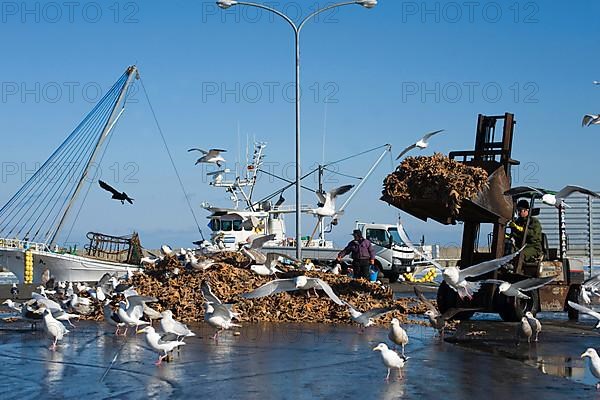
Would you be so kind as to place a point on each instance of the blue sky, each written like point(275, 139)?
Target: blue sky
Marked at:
point(385, 75)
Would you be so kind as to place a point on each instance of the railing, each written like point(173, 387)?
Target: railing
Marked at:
point(22, 245)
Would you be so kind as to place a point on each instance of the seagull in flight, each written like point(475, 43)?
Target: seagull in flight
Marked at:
point(121, 196)
point(590, 286)
point(456, 277)
point(587, 311)
point(288, 285)
point(253, 248)
point(517, 289)
point(549, 198)
point(421, 143)
point(365, 319)
point(591, 119)
point(212, 156)
point(327, 201)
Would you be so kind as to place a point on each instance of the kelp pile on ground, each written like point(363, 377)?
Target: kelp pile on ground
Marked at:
point(178, 289)
point(435, 178)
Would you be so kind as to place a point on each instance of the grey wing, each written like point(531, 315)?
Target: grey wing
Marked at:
point(215, 152)
point(200, 150)
point(486, 266)
point(406, 150)
point(167, 337)
point(328, 291)
point(407, 242)
point(221, 310)
point(338, 191)
point(532, 283)
point(103, 282)
point(275, 286)
point(135, 301)
point(375, 312)
point(586, 119)
point(453, 311)
point(592, 283)
point(584, 310)
point(430, 134)
point(422, 298)
point(208, 294)
point(519, 190)
point(494, 281)
point(570, 189)
point(321, 197)
point(259, 241)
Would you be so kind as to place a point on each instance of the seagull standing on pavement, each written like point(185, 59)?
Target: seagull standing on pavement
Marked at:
point(421, 143)
point(535, 323)
point(53, 328)
point(391, 360)
point(397, 334)
point(170, 325)
point(161, 344)
point(594, 363)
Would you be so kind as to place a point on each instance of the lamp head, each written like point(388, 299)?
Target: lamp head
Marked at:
point(367, 3)
point(225, 4)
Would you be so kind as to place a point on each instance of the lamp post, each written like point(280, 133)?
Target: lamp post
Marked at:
point(224, 4)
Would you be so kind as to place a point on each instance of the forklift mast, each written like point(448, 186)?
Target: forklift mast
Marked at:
point(493, 154)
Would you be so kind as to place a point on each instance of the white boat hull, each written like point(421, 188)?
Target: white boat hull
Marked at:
point(63, 267)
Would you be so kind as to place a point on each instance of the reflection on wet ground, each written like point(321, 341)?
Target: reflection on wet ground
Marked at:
point(287, 361)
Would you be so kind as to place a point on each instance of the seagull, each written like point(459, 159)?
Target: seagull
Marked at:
point(213, 156)
point(456, 277)
point(216, 313)
point(169, 325)
point(298, 283)
point(46, 302)
point(421, 143)
point(535, 324)
point(594, 363)
point(161, 344)
point(525, 329)
point(517, 289)
point(552, 199)
point(265, 270)
point(391, 359)
point(53, 328)
point(14, 291)
point(587, 311)
point(201, 265)
point(591, 119)
point(132, 309)
point(121, 196)
point(327, 201)
point(166, 250)
point(437, 319)
point(113, 318)
point(397, 334)
point(590, 286)
point(253, 249)
point(365, 319)
point(13, 305)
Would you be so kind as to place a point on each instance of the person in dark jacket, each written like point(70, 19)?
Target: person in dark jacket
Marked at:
point(533, 242)
point(362, 252)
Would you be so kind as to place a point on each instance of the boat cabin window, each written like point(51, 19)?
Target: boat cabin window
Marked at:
point(215, 225)
point(226, 225)
point(247, 225)
point(380, 237)
point(237, 225)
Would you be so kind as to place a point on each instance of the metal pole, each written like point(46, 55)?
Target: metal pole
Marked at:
point(591, 232)
point(298, 172)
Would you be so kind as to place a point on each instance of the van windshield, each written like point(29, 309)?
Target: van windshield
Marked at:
point(395, 236)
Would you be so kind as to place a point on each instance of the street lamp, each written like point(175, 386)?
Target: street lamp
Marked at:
point(224, 4)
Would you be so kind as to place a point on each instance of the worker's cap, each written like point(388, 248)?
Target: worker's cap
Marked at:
point(524, 204)
point(356, 232)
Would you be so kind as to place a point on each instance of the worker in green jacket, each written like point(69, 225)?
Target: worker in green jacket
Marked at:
point(533, 242)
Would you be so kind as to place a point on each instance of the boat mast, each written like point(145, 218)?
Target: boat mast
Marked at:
point(132, 73)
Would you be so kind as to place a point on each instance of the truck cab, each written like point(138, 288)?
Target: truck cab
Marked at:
point(392, 256)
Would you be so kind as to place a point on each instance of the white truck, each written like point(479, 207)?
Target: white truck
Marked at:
point(392, 256)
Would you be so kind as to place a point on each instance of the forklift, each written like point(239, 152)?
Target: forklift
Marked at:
point(496, 207)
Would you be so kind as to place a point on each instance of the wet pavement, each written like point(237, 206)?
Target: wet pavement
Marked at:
point(287, 361)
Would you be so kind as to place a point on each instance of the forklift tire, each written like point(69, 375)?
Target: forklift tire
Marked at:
point(447, 299)
point(574, 297)
point(512, 309)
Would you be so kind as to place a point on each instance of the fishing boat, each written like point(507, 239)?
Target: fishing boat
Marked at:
point(32, 220)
